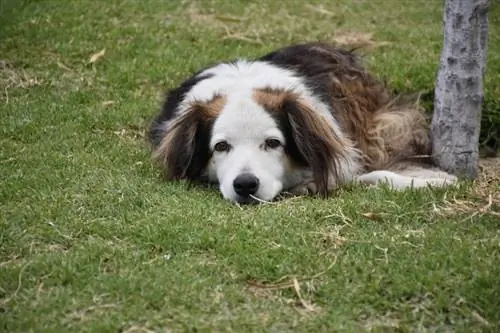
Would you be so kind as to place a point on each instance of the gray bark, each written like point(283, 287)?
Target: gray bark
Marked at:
point(459, 88)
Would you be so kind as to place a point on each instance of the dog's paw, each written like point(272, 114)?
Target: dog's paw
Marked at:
point(400, 182)
point(439, 182)
point(450, 179)
point(304, 189)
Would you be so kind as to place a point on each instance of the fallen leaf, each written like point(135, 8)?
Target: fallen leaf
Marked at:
point(108, 103)
point(97, 56)
point(371, 216)
point(63, 66)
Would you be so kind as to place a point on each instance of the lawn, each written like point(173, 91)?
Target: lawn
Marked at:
point(92, 239)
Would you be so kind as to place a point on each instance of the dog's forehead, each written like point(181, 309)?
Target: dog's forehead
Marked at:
point(242, 118)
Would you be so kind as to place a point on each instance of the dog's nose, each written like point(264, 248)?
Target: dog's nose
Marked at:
point(246, 184)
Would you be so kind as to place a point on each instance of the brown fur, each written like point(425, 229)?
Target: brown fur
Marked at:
point(388, 132)
point(271, 98)
point(311, 137)
point(211, 109)
point(182, 154)
point(384, 129)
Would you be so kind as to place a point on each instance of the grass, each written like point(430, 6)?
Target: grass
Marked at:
point(91, 240)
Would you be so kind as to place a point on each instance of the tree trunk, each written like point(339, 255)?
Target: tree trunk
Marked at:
point(459, 87)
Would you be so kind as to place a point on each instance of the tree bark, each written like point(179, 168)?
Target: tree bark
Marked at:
point(459, 92)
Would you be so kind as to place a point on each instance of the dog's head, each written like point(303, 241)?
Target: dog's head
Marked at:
point(253, 145)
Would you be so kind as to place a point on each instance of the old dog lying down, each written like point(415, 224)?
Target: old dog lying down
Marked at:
point(304, 119)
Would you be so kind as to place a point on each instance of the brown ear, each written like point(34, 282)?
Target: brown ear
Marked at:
point(184, 150)
point(320, 148)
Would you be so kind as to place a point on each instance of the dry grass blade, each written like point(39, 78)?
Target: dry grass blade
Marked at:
point(59, 232)
point(320, 9)
point(83, 314)
point(271, 286)
point(480, 319)
point(279, 284)
point(305, 304)
point(240, 37)
point(261, 200)
point(137, 329)
point(63, 66)
point(357, 39)
point(10, 260)
point(108, 103)
point(19, 284)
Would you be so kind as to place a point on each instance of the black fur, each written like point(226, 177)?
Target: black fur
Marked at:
point(191, 148)
point(310, 60)
point(305, 147)
point(174, 97)
point(291, 149)
point(315, 62)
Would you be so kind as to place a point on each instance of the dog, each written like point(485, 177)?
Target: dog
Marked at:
point(304, 119)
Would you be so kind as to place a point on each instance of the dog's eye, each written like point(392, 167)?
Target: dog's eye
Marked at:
point(273, 143)
point(222, 146)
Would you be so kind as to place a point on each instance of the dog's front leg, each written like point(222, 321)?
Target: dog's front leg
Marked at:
point(304, 189)
point(303, 184)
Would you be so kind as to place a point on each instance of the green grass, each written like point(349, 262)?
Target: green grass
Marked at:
point(91, 239)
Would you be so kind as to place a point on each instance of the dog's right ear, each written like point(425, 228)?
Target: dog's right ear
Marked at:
point(184, 148)
point(319, 146)
point(311, 141)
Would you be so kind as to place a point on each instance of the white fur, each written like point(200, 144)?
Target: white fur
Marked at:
point(242, 77)
point(245, 125)
point(412, 178)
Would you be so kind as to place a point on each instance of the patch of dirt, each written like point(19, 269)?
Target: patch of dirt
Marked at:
point(15, 77)
point(385, 323)
point(97, 309)
point(484, 196)
point(132, 132)
point(303, 289)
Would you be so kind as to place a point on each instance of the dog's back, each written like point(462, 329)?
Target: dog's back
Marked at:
point(386, 130)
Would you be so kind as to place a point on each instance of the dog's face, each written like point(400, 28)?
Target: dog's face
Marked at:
point(248, 153)
point(253, 145)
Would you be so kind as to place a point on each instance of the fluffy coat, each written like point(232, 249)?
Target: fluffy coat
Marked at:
point(303, 119)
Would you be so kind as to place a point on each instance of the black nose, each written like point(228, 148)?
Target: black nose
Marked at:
point(246, 184)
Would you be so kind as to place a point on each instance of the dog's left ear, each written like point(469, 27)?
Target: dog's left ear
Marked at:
point(319, 146)
point(184, 151)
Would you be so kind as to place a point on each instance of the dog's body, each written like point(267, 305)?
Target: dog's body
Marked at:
point(304, 119)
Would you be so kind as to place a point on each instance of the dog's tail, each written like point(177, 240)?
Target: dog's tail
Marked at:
point(402, 133)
